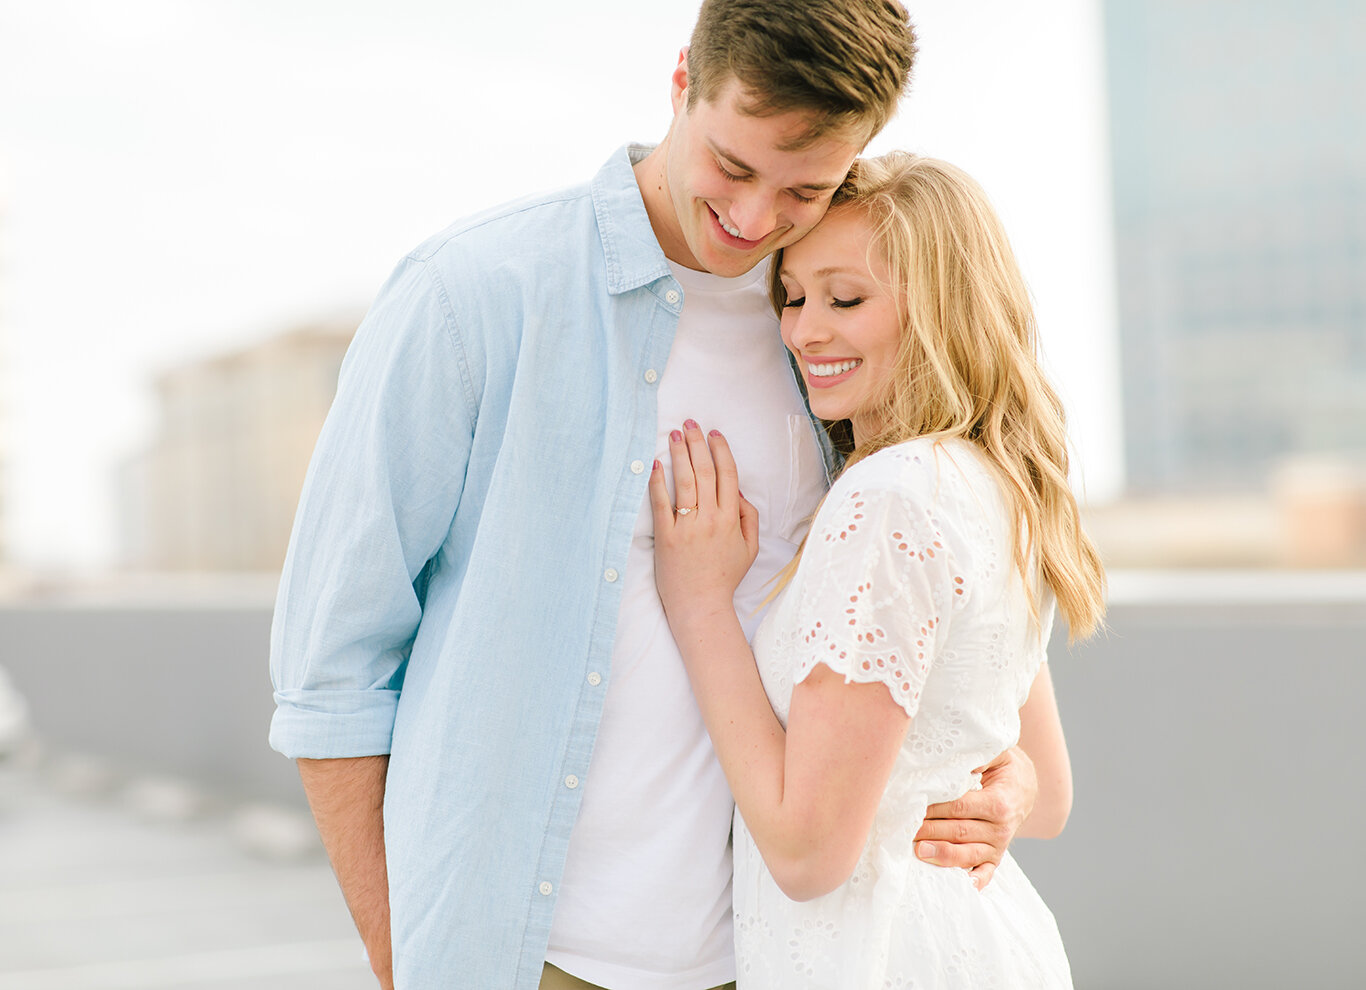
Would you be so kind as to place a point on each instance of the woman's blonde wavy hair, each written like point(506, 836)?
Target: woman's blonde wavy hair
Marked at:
point(968, 364)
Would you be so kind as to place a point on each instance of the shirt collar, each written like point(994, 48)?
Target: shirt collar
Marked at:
point(634, 257)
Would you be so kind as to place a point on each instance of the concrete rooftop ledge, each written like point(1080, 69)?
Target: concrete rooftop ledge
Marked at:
point(141, 590)
point(249, 591)
point(1237, 587)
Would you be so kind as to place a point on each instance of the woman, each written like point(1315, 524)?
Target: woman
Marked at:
point(909, 629)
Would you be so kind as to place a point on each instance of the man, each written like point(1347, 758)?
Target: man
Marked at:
point(494, 729)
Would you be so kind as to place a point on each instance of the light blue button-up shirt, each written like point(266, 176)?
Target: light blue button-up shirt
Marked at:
point(453, 580)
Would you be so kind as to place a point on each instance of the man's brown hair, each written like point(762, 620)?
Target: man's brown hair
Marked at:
point(844, 62)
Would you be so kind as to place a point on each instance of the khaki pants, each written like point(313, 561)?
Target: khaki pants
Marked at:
point(558, 979)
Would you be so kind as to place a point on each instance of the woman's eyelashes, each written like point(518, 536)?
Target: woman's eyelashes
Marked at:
point(834, 302)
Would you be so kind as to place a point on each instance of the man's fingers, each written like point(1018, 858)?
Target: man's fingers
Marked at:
point(1001, 760)
point(981, 875)
point(685, 481)
point(963, 831)
point(966, 856)
point(978, 804)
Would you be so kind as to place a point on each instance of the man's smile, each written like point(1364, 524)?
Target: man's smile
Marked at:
point(732, 234)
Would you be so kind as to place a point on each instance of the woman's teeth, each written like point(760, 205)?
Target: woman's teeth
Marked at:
point(832, 368)
point(732, 231)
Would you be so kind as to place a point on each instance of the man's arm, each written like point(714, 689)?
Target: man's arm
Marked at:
point(1026, 791)
point(382, 489)
point(347, 798)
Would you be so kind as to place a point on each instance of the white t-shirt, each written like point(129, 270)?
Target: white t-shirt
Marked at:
point(645, 902)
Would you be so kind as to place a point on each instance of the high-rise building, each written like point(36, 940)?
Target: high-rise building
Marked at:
point(217, 489)
point(1238, 137)
point(6, 436)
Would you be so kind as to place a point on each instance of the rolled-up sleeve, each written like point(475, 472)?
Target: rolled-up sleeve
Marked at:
point(377, 505)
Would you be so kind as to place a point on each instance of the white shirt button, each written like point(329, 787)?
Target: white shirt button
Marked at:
point(595, 678)
point(611, 574)
point(545, 888)
point(671, 295)
point(652, 376)
point(571, 782)
point(637, 467)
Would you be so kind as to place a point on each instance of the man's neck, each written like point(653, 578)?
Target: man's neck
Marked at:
point(652, 177)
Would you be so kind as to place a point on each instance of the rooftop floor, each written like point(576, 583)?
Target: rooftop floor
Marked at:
point(133, 887)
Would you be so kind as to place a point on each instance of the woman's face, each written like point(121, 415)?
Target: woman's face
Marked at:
point(840, 319)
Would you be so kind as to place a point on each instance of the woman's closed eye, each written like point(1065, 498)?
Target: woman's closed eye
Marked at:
point(835, 303)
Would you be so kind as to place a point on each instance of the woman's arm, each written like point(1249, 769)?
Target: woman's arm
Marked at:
point(808, 795)
point(1041, 737)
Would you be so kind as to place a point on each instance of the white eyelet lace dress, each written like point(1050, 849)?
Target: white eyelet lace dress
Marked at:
point(907, 579)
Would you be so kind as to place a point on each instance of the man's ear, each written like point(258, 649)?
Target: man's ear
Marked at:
point(678, 82)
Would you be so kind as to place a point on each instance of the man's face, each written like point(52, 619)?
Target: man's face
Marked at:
point(736, 195)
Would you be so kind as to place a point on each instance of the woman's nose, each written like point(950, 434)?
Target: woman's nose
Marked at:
point(807, 327)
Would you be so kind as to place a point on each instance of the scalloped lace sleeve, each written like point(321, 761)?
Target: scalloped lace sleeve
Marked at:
point(882, 583)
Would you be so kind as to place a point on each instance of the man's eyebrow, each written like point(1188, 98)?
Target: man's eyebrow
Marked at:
point(812, 186)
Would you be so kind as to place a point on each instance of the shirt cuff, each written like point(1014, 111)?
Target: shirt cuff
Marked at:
point(323, 725)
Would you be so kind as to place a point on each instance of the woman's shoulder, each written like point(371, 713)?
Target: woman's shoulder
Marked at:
point(935, 489)
point(924, 470)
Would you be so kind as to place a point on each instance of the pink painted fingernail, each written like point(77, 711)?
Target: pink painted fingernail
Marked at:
point(715, 433)
point(690, 424)
point(675, 436)
point(657, 464)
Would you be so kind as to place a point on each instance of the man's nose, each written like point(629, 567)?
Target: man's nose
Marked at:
point(755, 215)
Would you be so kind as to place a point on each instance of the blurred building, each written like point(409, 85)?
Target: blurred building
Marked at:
point(6, 434)
point(1314, 516)
point(217, 489)
point(1322, 506)
point(1238, 134)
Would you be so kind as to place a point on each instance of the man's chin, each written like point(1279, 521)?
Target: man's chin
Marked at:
point(730, 263)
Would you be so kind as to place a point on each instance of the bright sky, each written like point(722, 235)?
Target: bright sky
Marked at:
point(177, 179)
